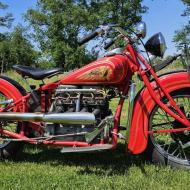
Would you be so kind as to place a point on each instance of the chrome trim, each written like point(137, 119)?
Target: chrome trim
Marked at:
point(65, 118)
point(87, 149)
point(92, 135)
point(131, 102)
point(140, 29)
point(6, 102)
point(141, 64)
point(78, 103)
point(77, 90)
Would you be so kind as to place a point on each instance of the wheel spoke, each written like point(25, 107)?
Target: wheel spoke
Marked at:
point(172, 144)
point(161, 124)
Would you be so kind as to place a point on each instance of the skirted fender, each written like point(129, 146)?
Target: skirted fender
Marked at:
point(15, 84)
point(9, 89)
point(138, 136)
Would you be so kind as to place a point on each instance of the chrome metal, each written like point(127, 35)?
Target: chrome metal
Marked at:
point(6, 102)
point(87, 149)
point(78, 102)
point(162, 43)
point(156, 45)
point(65, 118)
point(77, 90)
point(116, 51)
point(91, 136)
point(140, 62)
point(120, 136)
point(131, 102)
point(186, 145)
point(140, 29)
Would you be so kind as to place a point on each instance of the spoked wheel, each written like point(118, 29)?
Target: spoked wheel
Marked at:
point(8, 147)
point(170, 148)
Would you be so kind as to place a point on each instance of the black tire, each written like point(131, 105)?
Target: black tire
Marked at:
point(9, 148)
point(171, 149)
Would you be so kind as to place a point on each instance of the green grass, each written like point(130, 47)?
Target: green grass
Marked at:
point(40, 168)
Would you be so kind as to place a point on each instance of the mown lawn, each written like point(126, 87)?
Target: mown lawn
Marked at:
point(40, 168)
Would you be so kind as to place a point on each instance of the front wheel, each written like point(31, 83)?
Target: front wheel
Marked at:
point(170, 148)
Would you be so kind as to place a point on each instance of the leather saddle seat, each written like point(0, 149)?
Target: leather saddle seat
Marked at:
point(36, 74)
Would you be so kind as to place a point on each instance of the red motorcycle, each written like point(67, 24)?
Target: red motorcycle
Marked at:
point(74, 113)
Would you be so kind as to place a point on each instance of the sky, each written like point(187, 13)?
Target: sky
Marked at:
point(163, 16)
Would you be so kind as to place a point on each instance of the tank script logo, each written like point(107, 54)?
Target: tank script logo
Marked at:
point(97, 74)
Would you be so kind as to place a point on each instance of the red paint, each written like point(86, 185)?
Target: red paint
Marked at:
point(169, 130)
point(10, 91)
point(105, 71)
point(143, 106)
point(110, 71)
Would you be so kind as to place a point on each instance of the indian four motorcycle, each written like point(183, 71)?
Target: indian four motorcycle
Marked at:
point(74, 114)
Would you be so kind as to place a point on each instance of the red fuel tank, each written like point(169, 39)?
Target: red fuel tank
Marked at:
point(108, 70)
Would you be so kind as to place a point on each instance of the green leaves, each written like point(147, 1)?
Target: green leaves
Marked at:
point(15, 48)
point(6, 20)
point(182, 36)
point(57, 25)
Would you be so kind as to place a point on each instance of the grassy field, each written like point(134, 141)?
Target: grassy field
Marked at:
point(40, 168)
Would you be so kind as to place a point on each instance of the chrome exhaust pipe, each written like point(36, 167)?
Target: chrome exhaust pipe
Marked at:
point(65, 118)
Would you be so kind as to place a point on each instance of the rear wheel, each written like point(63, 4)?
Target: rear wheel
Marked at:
point(170, 148)
point(8, 147)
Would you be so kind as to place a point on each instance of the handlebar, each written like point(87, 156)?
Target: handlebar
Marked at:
point(103, 29)
point(88, 37)
point(165, 63)
point(109, 44)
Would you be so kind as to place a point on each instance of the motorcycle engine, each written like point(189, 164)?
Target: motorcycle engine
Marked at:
point(70, 98)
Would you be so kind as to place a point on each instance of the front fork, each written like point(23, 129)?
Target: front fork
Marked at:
point(131, 102)
point(178, 114)
point(117, 116)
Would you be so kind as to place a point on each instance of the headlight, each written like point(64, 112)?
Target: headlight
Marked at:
point(156, 45)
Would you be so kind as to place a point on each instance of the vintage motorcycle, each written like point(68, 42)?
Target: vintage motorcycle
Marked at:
point(74, 114)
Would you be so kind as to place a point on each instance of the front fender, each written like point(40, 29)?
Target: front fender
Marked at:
point(138, 137)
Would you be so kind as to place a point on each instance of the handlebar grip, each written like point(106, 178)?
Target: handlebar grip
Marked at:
point(165, 63)
point(109, 44)
point(88, 37)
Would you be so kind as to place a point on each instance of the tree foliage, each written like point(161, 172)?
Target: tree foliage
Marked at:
point(58, 24)
point(15, 48)
point(5, 20)
point(22, 51)
point(182, 36)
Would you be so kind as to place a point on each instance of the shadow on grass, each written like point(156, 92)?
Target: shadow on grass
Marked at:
point(107, 163)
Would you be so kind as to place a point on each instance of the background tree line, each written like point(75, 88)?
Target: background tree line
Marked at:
point(56, 25)
point(182, 36)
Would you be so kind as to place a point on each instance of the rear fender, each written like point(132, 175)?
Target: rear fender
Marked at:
point(9, 90)
point(138, 137)
point(14, 83)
